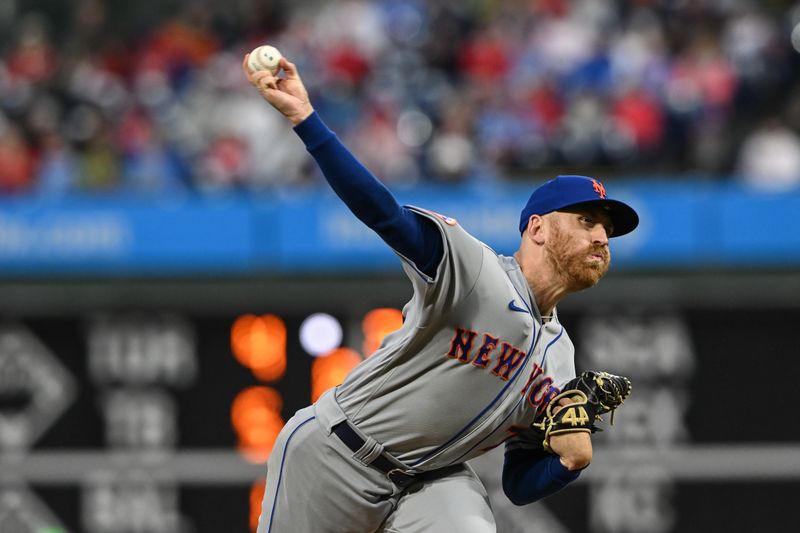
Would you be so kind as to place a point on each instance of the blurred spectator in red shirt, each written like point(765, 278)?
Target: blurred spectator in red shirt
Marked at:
point(16, 161)
point(33, 58)
point(639, 117)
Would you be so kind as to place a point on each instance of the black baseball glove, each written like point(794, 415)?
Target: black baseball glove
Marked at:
point(594, 393)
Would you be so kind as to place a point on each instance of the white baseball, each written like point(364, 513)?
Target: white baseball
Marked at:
point(264, 58)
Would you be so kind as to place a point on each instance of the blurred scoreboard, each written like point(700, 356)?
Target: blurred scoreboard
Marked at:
point(155, 421)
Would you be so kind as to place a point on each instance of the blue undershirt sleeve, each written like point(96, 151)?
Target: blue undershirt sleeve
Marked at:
point(530, 475)
point(413, 236)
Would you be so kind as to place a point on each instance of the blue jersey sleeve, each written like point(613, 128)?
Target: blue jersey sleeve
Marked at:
point(415, 237)
point(530, 475)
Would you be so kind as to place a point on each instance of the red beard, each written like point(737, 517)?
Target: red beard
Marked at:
point(575, 266)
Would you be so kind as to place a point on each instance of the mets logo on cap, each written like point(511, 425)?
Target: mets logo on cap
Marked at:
point(599, 189)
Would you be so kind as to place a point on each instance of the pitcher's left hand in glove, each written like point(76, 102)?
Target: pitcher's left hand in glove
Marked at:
point(593, 393)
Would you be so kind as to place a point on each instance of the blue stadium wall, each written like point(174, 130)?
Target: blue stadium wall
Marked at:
point(684, 226)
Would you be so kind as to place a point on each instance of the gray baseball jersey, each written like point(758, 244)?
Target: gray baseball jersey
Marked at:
point(471, 367)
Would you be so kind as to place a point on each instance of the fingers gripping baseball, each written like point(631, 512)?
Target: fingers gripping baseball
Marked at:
point(288, 94)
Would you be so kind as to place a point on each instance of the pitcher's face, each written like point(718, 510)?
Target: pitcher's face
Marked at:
point(577, 245)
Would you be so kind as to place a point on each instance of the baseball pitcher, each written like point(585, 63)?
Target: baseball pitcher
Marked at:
point(481, 360)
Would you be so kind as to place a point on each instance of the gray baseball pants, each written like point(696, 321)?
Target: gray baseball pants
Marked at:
point(316, 484)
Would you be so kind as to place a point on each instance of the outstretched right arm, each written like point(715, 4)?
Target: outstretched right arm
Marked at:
point(415, 237)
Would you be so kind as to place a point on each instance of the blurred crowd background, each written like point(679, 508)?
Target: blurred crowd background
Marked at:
point(110, 97)
point(167, 244)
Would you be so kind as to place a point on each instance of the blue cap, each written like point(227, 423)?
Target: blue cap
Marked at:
point(566, 191)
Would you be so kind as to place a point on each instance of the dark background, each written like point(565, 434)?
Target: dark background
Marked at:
point(738, 392)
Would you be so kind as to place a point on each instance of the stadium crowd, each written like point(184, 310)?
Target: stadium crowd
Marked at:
point(147, 98)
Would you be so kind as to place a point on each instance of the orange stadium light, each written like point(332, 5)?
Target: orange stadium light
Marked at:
point(256, 420)
point(377, 324)
point(259, 343)
point(330, 370)
point(256, 495)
